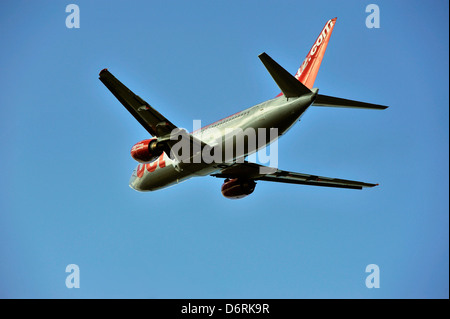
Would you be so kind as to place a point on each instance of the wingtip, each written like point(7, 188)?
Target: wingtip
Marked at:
point(104, 70)
point(370, 185)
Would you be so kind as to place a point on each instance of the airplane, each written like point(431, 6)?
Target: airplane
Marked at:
point(161, 166)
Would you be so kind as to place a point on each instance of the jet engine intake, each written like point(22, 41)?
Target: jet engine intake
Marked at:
point(147, 151)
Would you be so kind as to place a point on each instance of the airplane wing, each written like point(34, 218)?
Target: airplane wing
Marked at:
point(256, 172)
point(156, 124)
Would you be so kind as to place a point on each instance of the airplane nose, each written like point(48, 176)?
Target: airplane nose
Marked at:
point(133, 179)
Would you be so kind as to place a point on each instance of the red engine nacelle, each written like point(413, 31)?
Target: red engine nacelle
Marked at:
point(146, 151)
point(237, 188)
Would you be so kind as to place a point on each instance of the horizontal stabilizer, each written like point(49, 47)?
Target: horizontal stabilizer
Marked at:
point(287, 83)
point(331, 101)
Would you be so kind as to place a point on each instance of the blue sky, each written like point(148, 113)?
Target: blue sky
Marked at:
point(66, 140)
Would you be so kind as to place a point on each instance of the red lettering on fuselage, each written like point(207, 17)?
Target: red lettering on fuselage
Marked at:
point(162, 162)
point(151, 167)
point(140, 170)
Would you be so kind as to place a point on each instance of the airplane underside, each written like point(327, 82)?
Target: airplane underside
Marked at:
point(220, 149)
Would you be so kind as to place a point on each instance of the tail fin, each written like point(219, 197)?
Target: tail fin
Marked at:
point(308, 70)
point(288, 84)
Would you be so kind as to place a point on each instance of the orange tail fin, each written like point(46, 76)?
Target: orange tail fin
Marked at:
point(308, 70)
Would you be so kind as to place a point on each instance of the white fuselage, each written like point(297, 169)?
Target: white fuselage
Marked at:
point(279, 113)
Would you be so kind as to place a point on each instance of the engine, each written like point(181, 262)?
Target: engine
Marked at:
point(237, 188)
point(146, 151)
